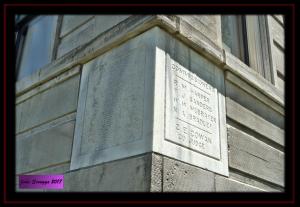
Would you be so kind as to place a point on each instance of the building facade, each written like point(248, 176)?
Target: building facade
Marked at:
point(152, 103)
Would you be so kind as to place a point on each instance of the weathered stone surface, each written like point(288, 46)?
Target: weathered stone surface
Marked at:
point(156, 173)
point(198, 74)
point(279, 60)
point(254, 157)
point(178, 176)
point(45, 148)
point(254, 92)
point(240, 69)
point(88, 31)
point(71, 22)
point(236, 92)
point(48, 105)
point(113, 113)
point(254, 122)
point(196, 40)
point(18, 117)
point(194, 66)
point(280, 84)
point(278, 32)
point(228, 185)
point(245, 178)
point(48, 84)
point(127, 29)
point(131, 174)
point(207, 25)
point(192, 118)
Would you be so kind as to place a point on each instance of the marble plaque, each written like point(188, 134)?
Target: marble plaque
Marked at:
point(191, 112)
point(189, 107)
point(113, 103)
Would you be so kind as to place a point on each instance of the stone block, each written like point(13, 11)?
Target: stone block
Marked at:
point(228, 185)
point(277, 32)
point(254, 157)
point(131, 174)
point(88, 31)
point(280, 84)
point(240, 69)
point(179, 176)
point(189, 110)
point(45, 148)
point(254, 122)
point(251, 103)
point(114, 111)
point(125, 117)
point(156, 173)
point(208, 25)
point(71, 22)
point(264, 98)
point(253, 181)
point(279, 60)
point(48, 105)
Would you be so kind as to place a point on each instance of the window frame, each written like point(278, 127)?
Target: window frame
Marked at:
point(21, 26)
point(22, 23)
point(257, 45)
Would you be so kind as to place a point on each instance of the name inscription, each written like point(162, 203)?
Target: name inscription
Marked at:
point(191, 112)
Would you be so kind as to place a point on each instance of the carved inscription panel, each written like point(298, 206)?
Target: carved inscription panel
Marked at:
point(191, 112)
point(114, 105)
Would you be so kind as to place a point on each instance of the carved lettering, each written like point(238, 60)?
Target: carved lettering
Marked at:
point(191, 111)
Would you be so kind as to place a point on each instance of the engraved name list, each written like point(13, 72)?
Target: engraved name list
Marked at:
point(191, 112)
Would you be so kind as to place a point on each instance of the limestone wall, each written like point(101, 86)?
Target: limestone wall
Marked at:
point(54, 104)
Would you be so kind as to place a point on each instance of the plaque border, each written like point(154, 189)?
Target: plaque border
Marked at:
point(168, 67)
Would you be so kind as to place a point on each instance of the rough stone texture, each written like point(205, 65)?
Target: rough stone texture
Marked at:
point(247, 118)
point(253, 104)
point(45, 148)
point(254, 157)
point(71, 22)
point(48, 105)
point(228, 185)
point(88, 31)
point(178, 176)
point(156, 173)
point(131, 174)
